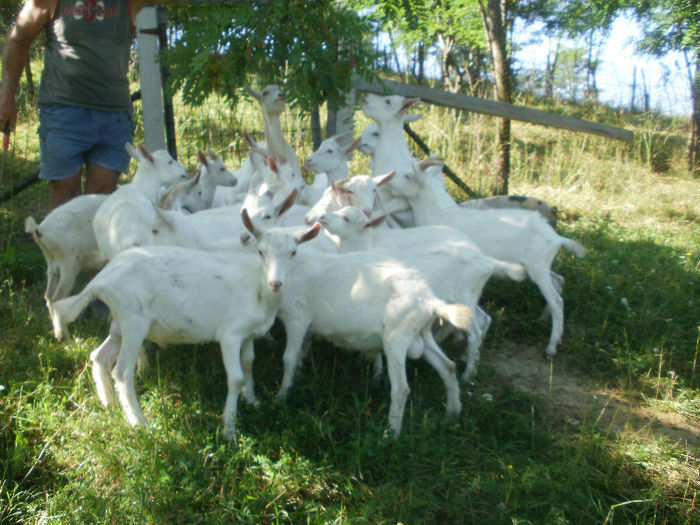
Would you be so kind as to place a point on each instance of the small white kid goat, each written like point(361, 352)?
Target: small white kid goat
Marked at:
point(212, 174)
point(176, 295)
point(124, 219)
point(331, 157)
point(68, 242)
point(369, 302)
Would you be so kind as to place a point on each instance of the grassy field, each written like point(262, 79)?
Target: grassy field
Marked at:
point(606, 433)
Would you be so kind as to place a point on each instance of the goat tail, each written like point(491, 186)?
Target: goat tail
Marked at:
point(514, 271)
point(578, 249)
point(31, 226)
point(458, 315)
point(65, 311)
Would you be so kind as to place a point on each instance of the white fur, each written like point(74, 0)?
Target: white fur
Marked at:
point(176, 295)
point(124, 219)
point(68, 242)
point(368, 302)
point(454, 267)
point(518, 236)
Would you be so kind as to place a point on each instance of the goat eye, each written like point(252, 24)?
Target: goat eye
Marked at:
point(260, 252)
point(376, 134)
point(155, 232)
point(388, 102)
point(346, 219)
point(294, 252)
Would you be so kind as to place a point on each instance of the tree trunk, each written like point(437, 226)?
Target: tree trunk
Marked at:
point(421, 61)
point(493, 16)
point(551, 70)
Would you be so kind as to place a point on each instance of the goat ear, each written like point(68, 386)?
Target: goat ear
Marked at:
point(272, 164)
point(342, 137)
point(255, 94)
point(249, 224)
point(132, 151)
point(430, 162)
point(146, 154)
point(310, 234)
point(169, 198)
point(246, 239)
point(380, 180)
point(353, 146)
point(288, 202)
point(408, 104)
point(203, 158)
point(375, 222)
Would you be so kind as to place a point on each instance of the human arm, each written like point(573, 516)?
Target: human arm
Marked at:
point(31, 19)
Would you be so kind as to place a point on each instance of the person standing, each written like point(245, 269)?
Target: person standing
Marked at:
point(85, 110)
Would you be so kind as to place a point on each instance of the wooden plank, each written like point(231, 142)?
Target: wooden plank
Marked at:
point(151, 86)
point(493, 108)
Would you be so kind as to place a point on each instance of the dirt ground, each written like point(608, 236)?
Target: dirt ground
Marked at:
point(576, 402)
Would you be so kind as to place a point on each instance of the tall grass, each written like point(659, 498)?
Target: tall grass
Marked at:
point(511, 457)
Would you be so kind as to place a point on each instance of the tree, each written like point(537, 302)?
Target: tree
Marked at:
point(674, 25)
point(493, 13)
point(313, 49)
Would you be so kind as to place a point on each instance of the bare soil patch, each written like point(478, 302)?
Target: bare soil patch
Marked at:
point(576, 401)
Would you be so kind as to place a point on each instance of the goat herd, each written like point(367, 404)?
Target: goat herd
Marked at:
point(368, 262)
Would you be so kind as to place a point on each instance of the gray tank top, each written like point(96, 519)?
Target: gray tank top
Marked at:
point(86, 58)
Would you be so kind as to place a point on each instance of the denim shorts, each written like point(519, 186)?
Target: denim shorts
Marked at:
point(71, 136)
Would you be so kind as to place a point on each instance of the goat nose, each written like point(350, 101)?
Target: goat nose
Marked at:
point(275, 286)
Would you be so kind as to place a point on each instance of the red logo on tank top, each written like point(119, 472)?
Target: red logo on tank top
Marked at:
point(90, 10)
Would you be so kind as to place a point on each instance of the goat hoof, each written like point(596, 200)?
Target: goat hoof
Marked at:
point(229, 434)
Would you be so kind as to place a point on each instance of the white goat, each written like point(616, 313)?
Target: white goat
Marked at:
point(175, 295)
point(272, 103)
point(68, 242)
point(515, 202)
point(391, 150)
point(359, 191)
point(369, 138)
point(213, 229)
point(454, 267)
point(331, 157)
point(212, 174)
point(368, 302)
point(124, 219)
point(519, 236)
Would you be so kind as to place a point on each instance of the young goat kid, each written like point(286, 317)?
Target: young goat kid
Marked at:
point(172, 295)
point(68, 242)
point(124, 219)
point(369, 302)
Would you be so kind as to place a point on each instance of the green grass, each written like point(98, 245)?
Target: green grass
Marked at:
point(320, 457)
